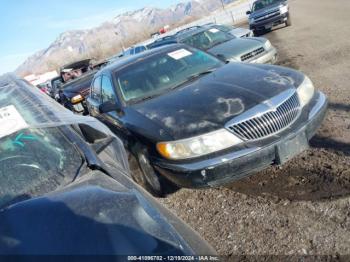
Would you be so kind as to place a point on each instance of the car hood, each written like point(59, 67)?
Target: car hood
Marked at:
point(239, 32)
point(235, 48)
point(94, 216)
point(266, 10)
point(208, 103)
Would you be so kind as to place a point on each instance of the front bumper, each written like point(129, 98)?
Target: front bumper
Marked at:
point(80, 108)
point(269, 22)
point(269, 57)
point(231, 166)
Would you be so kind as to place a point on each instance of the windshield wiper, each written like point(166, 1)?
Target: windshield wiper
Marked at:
point(197, 75)
point(194, 76)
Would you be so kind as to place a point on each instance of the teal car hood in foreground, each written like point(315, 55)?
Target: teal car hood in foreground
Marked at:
point(232, 50)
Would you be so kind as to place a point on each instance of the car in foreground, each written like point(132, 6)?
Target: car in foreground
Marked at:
point(191, 119)
point(235, 31)
point(223, 45)
point(268, 13)
point(65, 187)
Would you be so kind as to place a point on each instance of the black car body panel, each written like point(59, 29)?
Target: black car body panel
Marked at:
point(112, 219)
point(96, 209)
point(208, 104)
point(230, 165)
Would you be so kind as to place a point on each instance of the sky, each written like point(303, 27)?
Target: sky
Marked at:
point(27, 26)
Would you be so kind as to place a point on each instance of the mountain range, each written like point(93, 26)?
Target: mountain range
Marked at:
point(108, 38)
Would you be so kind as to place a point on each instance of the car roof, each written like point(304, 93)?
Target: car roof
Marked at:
point(124, 61)
point(190, 31)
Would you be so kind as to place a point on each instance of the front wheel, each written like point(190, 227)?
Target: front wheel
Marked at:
point(144, 174)
point(289, 21)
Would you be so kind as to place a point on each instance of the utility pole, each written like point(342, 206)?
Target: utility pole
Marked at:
point(121, 40)
point(223, 5)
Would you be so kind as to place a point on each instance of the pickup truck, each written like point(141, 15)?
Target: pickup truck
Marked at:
point(265, 14)
point(76, 80)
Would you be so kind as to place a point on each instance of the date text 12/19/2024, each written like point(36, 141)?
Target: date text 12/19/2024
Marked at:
point(173, 258)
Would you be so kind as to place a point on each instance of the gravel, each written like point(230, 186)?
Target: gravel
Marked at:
point(302, 208)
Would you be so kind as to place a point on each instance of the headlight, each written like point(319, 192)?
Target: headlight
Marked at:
point(305, 91)
point(77, 99)
point(251, 20)
point(198, 146)
point(267, 45)
point(284, 9)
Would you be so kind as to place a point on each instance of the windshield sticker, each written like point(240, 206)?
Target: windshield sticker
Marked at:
point(179, 54)
point(10, 121)
point(214, 30)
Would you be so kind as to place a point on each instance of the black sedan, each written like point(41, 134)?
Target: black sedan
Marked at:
point(198, 122)
point(65, 188)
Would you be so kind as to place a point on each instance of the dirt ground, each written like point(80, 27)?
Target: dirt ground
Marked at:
point(303, 207)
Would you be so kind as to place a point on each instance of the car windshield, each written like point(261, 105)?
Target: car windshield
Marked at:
point(263, 3)
point(33, 160)
point(164, 71)
point(207, 39)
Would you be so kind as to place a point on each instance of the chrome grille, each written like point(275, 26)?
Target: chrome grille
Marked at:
point(252, 54)
point(270, 122)
point(267, 15)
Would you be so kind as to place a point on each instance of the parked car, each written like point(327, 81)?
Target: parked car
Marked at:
point(43, 88)
point(223, 45)
point(55, 85)
point(65, 187)
point(235, 31)
point(77, 79)
point(268, 13)
point(190, 118)
point(72, 94)
point(138, 48)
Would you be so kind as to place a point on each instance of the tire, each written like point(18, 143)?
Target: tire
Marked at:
point(289, 21)
point(144, 174)
point(256, 32)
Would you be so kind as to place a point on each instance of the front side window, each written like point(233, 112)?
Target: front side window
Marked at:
point(139, 49)
point(35, 161)
point(161, 72)
point(96, 89)
point(264, 3)
point(207, 39)
point(107, 92)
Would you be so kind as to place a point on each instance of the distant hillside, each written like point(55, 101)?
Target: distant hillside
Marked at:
point(105, 40)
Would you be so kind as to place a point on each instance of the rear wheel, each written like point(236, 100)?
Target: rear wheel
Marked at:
point(256, 32)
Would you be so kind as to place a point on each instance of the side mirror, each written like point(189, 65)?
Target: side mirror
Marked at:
point(107, 107)
point(248, 12)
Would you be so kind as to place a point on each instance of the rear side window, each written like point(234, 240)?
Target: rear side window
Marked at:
point(96, 89)
point(139, 49)
point(107, 92)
